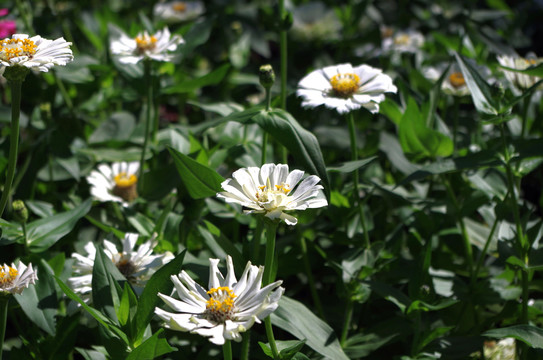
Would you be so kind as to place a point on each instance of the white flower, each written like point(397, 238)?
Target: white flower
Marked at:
point(454, 82)
point(14, 279)
point(401, 41)
point(271, 189)
point(345, 88)
point(156, 47)
point(314, 21)
point(227, 309)
point(176, 11)
point(117, 182)
point(520, 81)
point(35, 52)
point(136, 265)
point(501, 350)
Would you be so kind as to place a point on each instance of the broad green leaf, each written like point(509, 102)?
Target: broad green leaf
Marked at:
point(531, 335)
point(118, 127)
point(302, 144)
point(112, 155)
point(127, 306)
point(350, 166)
point(239, 116)
point(154, 346)
point(60, 169)
point(287, 349)
point(43, 233)
point(293, 317)
point(159, 282)
point(212, 78)
point(391, 110)
point(197, 35)
point(200, 180)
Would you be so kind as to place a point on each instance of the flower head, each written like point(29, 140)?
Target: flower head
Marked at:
point(176, 11)
point(454, 82)
point(35, 52)
point(14, 279)
point(345, 88)
point(117, 182)
point(228, 308)
point(144, 46)
point(401, 41)
point(137, 265)
point(520, 81)
point(314, 21)
point(271, 190)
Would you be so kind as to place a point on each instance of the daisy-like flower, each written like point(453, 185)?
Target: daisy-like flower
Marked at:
point(345, 88)
point(117, 182)
point(229, 308)
point(401, 41)
point(520, 81)
point(502, 350)
point(177, 11)
point(137, 265)
point(14, 279)
point(314, 21)
point(454, 82)
point(144, 46)
point(271, 190)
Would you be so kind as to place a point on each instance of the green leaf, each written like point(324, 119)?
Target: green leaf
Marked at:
point(391, 110)
point(200, 180)
point(293, 348)
point(531, 335)
point(127, 305)
point(293, 317)
point(302, 144)
point(350, 166)
point(159, 282)
point(118, 127)
point(197, 35)
point(239, 116)
point(111, 155)
point(154, 346)
point(535, 70)
point(43, 233)
point(212, 78)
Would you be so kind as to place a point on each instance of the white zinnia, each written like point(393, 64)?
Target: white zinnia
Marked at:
point(14, 279)
point(136, 265)
point(271, 190)
point(520, 81)
point(34, 53)
point(156, 47)
point(454, 82)
point(345, 88)
point(229, 308)
point(175, 11)
point(117, 182)
point(401, 41)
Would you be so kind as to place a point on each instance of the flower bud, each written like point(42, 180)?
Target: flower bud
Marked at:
point(267, 76)
point(20, 212)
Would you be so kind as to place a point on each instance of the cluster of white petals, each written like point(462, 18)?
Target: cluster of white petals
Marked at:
point(116, 182)
point(345, 88)
point(144, 46)
point(409, 41)
point(453, 83)
point(177, 11)
point(15, 278)
point(520, 81)
point(228, 308)
point(271, 190)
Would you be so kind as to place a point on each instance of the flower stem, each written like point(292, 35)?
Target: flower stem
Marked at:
point(283, 54)
point(271, 338)
point(4, 301)
point(356, 193)
point(227, 350)
point(526, 104)
point(255, 244)
point(310, 279)
point(271, 229)
point(346, 321)
point(147, 74)
point(13, 142)
point(245, 343)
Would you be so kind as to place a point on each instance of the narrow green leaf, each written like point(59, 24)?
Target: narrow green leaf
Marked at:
point(350, 166)
point(531, 335)
point(536, 70)
point(212, 78)
point(200, 180)
point(154, 346)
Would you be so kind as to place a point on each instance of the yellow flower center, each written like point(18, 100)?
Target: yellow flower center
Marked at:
point(125, 186)
point(345, 85)
point(402, 39)
point(145, 42)
point(7, 275)
point(457, 80)
point(179, 6)
point(220, 306)
point(12, 48)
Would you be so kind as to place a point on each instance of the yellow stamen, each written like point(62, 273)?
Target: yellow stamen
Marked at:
point(345, 85)
point(179, 6)
point(220, 306)
point(402, 39)
point(7, 275)
point(12, 48)
point(125, 186)
point(457, 80)
point(145, 42)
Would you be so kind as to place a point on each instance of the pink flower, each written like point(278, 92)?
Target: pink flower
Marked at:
point(7, 28)
point(4, 12)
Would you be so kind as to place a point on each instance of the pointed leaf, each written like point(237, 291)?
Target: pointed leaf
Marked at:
point(531, 335)
point(154, 346)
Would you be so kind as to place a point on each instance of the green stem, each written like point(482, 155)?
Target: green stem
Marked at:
point(455, 123)
point(64, 93)
point(356, 192)
point(227, 350)
point(271, 229)
point(346, 322)
point(264, 145)
point(283, 54)
point(485, 249)
point(4, 301)
point(256, 240)
point(271, 338)
point(245, 344)
point(13, 142)
point(526, 104)
point(147, 74)
point(310, 278)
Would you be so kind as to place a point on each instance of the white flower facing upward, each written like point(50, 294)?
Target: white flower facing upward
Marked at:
point(136, 265)
point(454, 82)
point(409, 41)
point(144, 46)
point(229, 308)
point(344, 88)
point(176, 11)
point(271, 190)
point(34, 53)
point(14, 279)
point(117, 182)
point(520, 81)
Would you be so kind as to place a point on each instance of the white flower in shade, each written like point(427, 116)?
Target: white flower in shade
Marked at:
point(502, 350)
point(520, 81)
point(144, 46)
point(345, 88)
point(271, 190)
point(314, 21)
point(34, 53)
point(176, 11)
point(454, 82)
point(14, 279)
point(137, 265)
point(401, 41)
point(229, 308)
point(117, 182)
